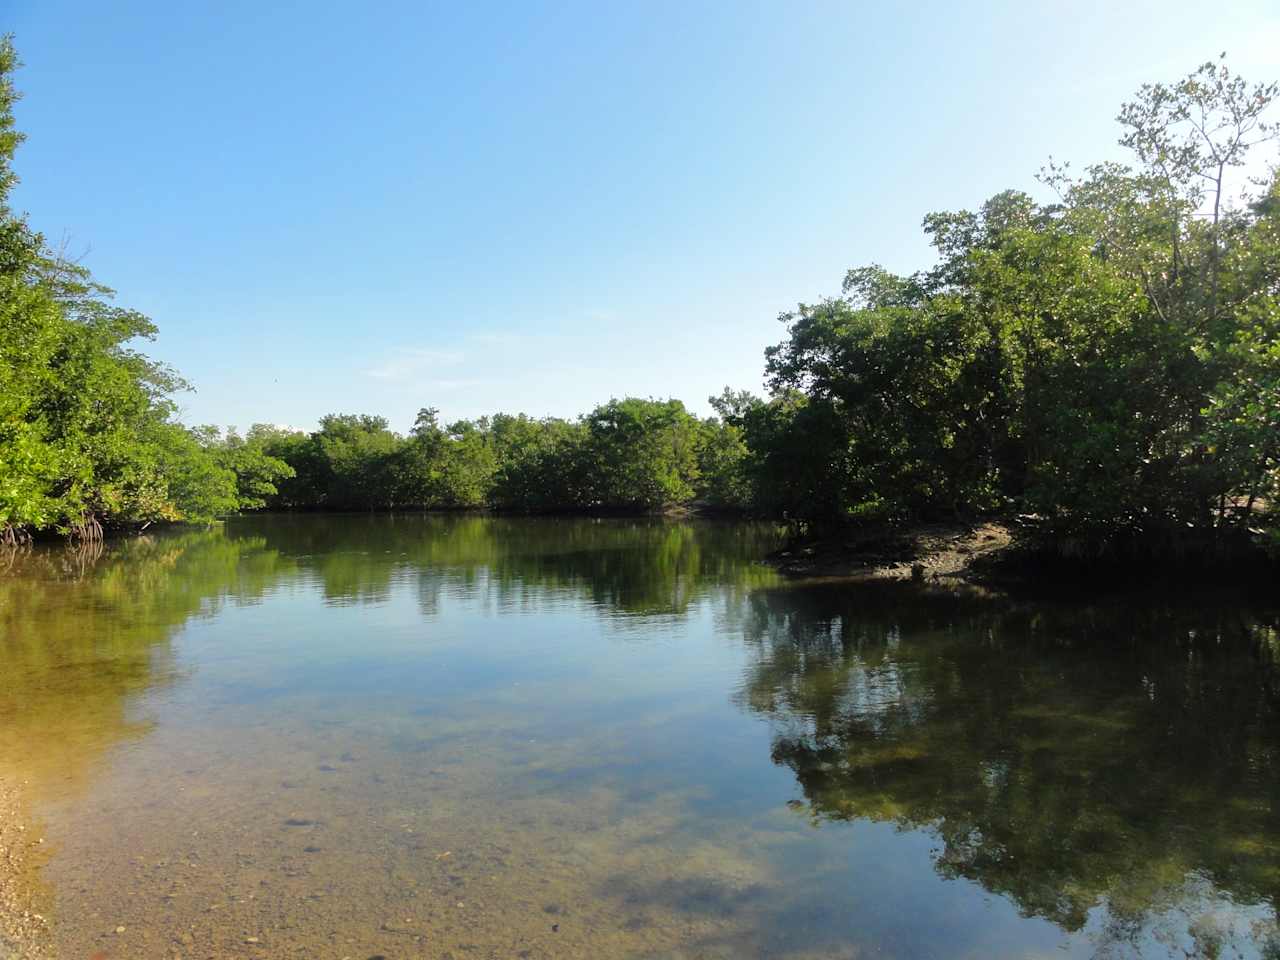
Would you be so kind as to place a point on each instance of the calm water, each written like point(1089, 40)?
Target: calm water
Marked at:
point(471, 738)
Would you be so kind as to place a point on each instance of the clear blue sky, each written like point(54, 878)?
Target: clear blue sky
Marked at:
point(346, 207)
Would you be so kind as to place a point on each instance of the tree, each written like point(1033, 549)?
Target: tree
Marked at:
point(541, 464)
point(642, 453)
point(356, 461)
point(1105, 363)
point(87, 435)
point(256, 471)
point(724, 479)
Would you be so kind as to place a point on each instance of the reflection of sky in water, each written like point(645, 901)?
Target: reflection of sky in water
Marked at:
point(638, 738)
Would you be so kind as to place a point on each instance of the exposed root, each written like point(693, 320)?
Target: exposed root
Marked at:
point(11, 536)
point(87, 530)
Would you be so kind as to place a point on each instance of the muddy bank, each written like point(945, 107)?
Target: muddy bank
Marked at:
point(1003, 554)
point(24, 930)
point(926, 552)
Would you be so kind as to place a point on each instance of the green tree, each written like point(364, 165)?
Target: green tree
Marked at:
point(642, 453)
point(257, 472)
point(87, 436)
point(1105, 363)
point(356, 461)
point(724, 479)
point(541, 464)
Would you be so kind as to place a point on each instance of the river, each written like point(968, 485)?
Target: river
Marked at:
point(471, 737)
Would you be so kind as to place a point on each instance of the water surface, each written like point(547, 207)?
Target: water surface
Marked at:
point(469, 737)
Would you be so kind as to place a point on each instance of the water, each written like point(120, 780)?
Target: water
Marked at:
point(470, 738)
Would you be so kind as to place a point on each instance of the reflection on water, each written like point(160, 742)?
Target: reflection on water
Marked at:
point(82, 631)
point(1068, 757)
point(470, 737)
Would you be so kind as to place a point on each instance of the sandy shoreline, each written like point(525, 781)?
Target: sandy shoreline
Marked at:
point(24, 932)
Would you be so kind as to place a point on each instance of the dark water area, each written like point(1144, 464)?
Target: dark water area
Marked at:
point(469, 737)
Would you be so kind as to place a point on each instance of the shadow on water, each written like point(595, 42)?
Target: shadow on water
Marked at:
point(1090, 762)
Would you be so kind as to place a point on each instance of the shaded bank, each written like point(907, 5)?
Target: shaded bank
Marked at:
point(896, 552)
point(1016, 553)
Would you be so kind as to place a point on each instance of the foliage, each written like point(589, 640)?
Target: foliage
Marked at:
point(629, 455)
point(1107, 363)
point(539, 463)
point(87, 436)
point(641, 453)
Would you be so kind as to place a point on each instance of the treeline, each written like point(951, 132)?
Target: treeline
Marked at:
point(1106, 365)
point(630, 454)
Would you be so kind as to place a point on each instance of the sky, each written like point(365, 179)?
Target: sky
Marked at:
point(373, 208)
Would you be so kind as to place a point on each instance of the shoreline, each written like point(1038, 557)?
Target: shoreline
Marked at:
point(995, 553)
point(684, 511)
point(24, 931)
point(928, 552)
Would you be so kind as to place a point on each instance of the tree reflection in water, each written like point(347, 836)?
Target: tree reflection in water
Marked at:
point(1069, 756)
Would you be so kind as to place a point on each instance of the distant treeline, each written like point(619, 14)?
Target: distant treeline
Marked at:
point(1106, 365)
point(630, 454)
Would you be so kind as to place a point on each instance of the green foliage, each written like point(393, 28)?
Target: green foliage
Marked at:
point(86, 431)
point(303, 485)
point(641, 453)
point(355, 455)
point(540, 464)
point(628, 455)
point(238, 472)
point(29, 464)
point(468, 465)
point(1107, 363)
point(257, 471)
point(197, 484)
point(796, 452)
point(724, 466)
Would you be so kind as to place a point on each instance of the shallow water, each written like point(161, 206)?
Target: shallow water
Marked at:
point(468, 737)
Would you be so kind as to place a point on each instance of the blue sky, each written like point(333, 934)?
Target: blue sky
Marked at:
point(377, 207)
